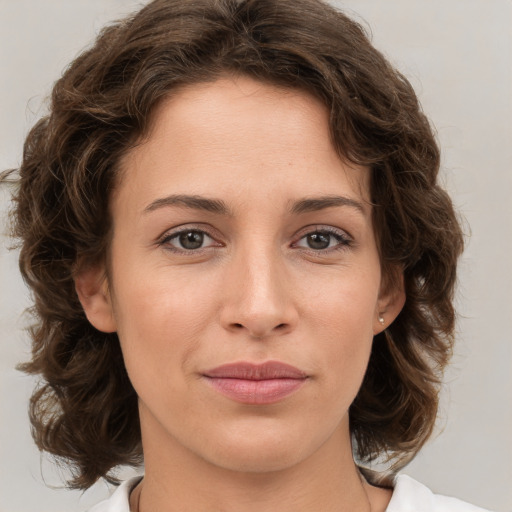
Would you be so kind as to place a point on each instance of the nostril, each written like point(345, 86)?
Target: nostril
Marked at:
point(259, 329)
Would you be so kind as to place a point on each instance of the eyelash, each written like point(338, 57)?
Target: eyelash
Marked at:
point(168, 237)
point(344, 240)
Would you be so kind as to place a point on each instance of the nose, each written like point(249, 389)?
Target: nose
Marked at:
point(258, 296)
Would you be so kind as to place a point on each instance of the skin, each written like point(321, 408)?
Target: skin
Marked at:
point(254, 291)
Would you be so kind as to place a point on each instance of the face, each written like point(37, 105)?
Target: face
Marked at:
point(245, 282)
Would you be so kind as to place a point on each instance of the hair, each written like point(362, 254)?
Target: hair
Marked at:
point(85, 410)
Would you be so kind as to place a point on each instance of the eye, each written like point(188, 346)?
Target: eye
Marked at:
point(324, 239)
point(188, 240)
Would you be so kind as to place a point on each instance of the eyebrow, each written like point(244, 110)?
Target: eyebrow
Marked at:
point(191, 201)
point(219, 207)
point(314, 204)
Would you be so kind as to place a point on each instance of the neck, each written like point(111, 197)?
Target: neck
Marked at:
point(178, 480)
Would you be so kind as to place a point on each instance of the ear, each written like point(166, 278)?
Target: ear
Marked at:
point(391, 301)
point(91, 286)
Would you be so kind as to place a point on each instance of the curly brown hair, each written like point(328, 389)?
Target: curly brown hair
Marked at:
point(85, 410)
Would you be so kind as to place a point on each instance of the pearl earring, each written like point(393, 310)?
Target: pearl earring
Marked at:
point(381, 320)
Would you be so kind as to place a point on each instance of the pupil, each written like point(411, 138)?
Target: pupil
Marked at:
point(319, 240)
point(191, 240)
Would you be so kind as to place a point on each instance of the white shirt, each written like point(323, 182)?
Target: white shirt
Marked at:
point(408, 496)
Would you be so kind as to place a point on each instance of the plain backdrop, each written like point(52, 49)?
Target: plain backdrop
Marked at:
point(458, 55)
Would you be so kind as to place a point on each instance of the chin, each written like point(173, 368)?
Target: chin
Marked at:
point(262, 450)
point(256, 459)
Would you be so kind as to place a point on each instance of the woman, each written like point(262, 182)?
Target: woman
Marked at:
point(242, 262)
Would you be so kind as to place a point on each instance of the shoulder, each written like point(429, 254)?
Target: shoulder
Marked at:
point(120, 500)
point(411, 496)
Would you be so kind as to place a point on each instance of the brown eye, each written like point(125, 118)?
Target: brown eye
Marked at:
point(188, 240)
point(325, 240)
point(318, 240)
point(191, 240)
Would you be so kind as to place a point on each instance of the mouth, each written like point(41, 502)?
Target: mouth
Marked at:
point(256, 384)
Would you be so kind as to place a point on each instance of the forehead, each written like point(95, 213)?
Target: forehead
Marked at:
point(239, 133)
point(229, 108)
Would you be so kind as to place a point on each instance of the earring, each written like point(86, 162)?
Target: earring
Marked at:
point(381, 320)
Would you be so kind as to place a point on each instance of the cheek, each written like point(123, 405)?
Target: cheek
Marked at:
point(159, 319)
point(344, 300)
point(345, 313)
point(149, 297)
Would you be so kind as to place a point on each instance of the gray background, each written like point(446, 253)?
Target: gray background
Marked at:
point(457, 54)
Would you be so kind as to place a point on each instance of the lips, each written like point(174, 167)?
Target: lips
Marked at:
point(256, 384)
